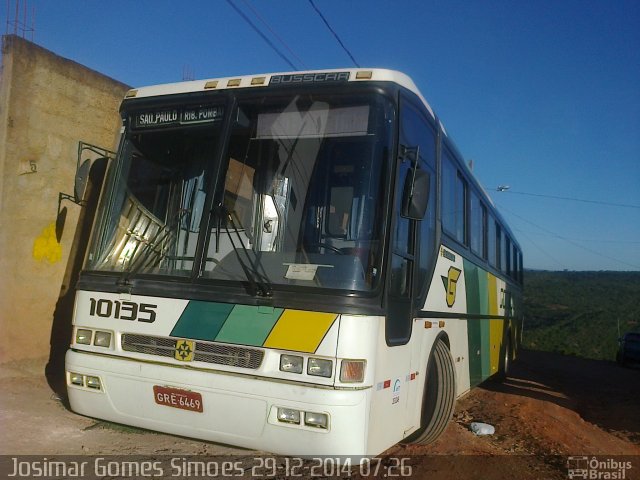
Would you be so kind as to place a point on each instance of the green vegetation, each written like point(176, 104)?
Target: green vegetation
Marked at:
point(577, 313)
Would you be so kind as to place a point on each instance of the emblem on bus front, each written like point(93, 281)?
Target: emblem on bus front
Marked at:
point(184, 350)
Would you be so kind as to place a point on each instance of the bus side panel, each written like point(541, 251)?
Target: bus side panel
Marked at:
point(447, 294)
point(389, 398)
point(486, 336)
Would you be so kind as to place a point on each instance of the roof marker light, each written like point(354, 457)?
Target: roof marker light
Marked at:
point(258, 80)
point(234, 82)
point(211, 84)
point(131, 94)
point(364, 75)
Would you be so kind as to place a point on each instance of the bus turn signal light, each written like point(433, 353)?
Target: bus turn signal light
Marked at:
point(352, 371)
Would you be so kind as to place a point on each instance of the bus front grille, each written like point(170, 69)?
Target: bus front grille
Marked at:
point(208, 352)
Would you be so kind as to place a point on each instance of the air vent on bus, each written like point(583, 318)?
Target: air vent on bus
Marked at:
point(208, 352)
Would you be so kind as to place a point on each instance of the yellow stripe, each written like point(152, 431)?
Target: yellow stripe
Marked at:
point(299, 330)
point(495, 326)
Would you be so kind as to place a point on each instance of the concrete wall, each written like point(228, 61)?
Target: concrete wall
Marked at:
point(47, 105)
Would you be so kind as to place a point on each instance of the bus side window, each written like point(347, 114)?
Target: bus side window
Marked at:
point(477, 217)
point(454, 193)
point(491, 241)
point(499, 251)
point(506, 254)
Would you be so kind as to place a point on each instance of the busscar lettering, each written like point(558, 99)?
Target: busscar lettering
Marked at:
point(309, 78)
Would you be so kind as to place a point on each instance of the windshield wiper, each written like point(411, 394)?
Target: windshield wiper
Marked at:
point(259, 282)
point(143, 258)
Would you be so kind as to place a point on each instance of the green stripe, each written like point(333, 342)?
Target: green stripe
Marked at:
point(201, 320)
point(248, 325)
point(485, 341)
point(479, 330)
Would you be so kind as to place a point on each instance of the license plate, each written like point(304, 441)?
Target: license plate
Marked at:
point(177, 398)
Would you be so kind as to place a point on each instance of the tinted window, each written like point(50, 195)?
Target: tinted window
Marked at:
point(453, 199)
point(477, 224)
point(491, 242)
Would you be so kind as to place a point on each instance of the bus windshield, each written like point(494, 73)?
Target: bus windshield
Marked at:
point(296, 198)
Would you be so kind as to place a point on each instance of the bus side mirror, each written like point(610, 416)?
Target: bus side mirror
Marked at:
point(415, 196)
point(80, 184)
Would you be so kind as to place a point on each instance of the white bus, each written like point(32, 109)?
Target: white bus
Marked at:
point(300, 263)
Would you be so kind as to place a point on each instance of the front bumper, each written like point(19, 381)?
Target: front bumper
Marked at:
point(237, 410)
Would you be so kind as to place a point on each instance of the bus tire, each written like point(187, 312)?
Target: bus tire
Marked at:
point(503, 372)
point(439, 396)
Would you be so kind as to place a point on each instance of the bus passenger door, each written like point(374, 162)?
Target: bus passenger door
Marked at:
point(400, 281)
point(399, 319)
point(418, 135)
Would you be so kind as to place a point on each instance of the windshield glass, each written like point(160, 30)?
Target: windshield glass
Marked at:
point(303, 192)
point(152, 219)
point(297, 196)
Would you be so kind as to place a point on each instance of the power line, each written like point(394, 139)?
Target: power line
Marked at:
point(542, 249)
point(334, 33)
point(274, 33)
point(506, 189)
point(575, 244)
point(589, 240)
point(259, 32)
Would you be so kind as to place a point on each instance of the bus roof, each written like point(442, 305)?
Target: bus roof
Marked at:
point(281, 78)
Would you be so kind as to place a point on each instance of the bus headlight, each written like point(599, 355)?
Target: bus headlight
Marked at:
point(320, 367)
point(94, 382)
point(288, 415)
point(352, 371)
point(291, 363)
point(76, 379)
point(102, 339)
point(83, 336)
point(318, 420)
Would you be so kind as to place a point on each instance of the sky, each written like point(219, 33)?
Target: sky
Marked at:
point(543, 96)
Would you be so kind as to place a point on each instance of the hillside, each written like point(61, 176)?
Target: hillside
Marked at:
point(577, 313)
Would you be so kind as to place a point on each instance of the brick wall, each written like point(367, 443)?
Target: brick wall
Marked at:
point(47, 104)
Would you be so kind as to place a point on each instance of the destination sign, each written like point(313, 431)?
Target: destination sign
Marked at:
point(175, 116)
point(319, 77)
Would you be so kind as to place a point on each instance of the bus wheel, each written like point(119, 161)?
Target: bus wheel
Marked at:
point(439, 396)
point(506, 360)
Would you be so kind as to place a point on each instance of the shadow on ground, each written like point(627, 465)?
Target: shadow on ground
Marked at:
point(601, 392)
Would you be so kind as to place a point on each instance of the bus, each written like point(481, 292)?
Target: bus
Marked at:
point(300, 263)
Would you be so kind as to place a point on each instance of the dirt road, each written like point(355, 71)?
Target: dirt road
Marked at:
point(550, 408)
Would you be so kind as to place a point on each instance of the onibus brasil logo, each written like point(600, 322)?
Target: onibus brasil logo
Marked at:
point(594, 468)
